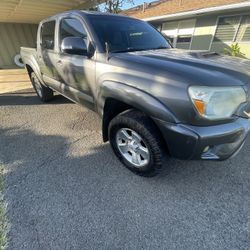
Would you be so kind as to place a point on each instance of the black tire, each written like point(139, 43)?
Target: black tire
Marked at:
point(147, 130)
point(44, 93)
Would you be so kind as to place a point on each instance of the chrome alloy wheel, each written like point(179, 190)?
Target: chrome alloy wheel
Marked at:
point(132, 147)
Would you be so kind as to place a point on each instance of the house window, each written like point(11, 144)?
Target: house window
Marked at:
point(180, 32)
point(184, 39)
point(226, 29)
point(243, 34)
point(171, 39)
point(233, 29)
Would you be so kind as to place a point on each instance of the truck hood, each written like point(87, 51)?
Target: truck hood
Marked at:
point(167, 74)
point(201, 67)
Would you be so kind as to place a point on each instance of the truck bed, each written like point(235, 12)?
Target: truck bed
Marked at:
point(28, 54)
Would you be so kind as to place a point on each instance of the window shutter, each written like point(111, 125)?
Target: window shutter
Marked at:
point(244, 30)
point(226, 29)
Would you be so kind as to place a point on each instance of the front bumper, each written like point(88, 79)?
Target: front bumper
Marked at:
point(208, 143)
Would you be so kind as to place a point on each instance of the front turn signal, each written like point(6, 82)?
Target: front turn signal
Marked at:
point(200, 106)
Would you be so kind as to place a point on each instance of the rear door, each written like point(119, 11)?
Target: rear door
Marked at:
point(75, 72)
point(46, 52)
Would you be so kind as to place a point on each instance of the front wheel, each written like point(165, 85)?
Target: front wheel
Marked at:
point(136, 142)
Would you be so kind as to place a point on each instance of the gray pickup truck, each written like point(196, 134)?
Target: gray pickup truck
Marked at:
point(152, 99)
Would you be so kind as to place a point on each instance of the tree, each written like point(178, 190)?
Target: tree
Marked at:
point(94, 8)
point(114, 6)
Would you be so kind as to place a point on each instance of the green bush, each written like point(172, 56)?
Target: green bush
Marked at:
point(234, 51)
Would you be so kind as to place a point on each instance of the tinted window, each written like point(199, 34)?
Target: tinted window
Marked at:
point(123, 34)
point(48, 35)
point(72, 28)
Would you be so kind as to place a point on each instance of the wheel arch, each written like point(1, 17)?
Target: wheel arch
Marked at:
point(116, 98)
point(31, 67)
point(112, 108)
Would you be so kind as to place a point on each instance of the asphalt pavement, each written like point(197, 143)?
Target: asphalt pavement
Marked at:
point(65, 189)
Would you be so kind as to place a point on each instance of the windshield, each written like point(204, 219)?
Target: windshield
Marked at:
point(123, 34)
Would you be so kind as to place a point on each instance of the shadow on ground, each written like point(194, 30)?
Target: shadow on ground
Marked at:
point(28, 97)
point(73, 194)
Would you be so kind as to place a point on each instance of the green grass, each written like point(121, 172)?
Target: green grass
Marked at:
point(4, 225)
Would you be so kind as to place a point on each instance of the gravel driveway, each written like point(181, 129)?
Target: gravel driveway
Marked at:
point(66, 190)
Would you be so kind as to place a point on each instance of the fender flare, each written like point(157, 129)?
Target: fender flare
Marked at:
point(136, 98)
point(35, 68)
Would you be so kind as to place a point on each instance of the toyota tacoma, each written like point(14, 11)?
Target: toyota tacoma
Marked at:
point(153, 99)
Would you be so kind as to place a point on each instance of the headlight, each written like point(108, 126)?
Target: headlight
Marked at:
point(217, 102)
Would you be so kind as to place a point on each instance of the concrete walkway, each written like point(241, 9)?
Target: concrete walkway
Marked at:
point(13, 80)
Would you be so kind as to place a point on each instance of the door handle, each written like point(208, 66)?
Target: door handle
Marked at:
point(59, 63)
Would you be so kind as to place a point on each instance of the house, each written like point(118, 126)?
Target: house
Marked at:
point(200, 24)
point(19, 20)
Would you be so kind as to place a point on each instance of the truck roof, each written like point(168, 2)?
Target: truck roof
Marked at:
point(99, 13)
point(86, 13)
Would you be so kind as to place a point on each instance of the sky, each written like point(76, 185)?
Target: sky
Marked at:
point(129, 5)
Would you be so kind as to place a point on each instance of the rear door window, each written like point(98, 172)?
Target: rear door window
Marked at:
point(48, 35)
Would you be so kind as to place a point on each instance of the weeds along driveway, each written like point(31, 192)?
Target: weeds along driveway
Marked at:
point(66, 190)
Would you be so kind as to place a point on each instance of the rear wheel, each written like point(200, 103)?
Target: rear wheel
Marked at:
point(136, 142)
point(44, 93)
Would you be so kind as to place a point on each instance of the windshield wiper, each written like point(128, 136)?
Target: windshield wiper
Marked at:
point(160, 47)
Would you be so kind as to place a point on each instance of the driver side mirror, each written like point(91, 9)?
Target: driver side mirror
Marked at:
point(74, 46)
